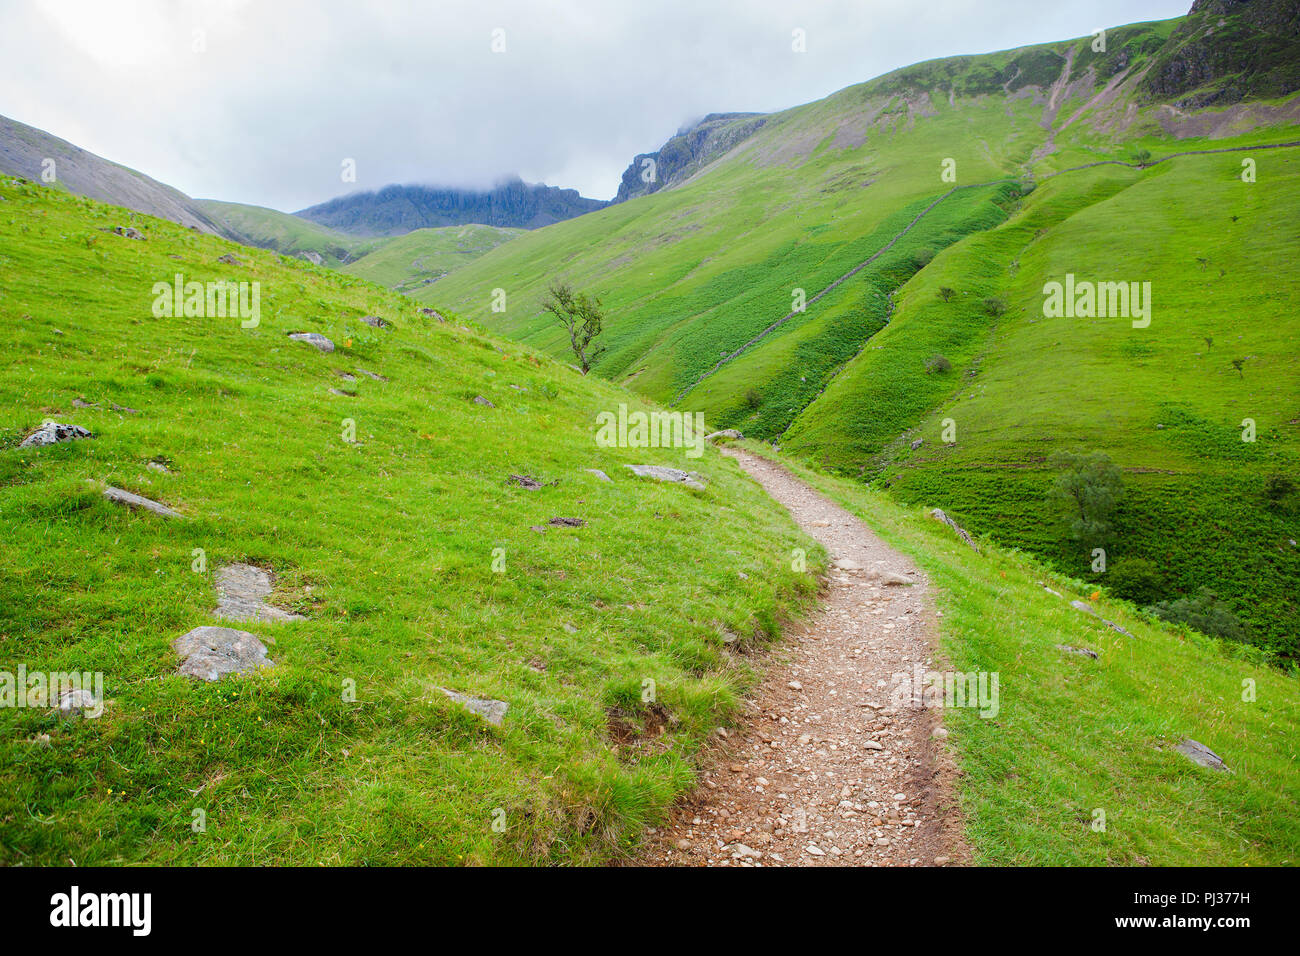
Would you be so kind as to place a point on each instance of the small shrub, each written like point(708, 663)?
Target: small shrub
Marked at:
point(937, 363)
point(753, 399)
point(945, 293)
point(1205, 612)
point(994, 305)
point(1136, 579)
point(1087, 494)
point(1278, 492)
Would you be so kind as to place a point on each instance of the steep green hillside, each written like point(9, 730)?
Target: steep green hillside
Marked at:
point(843, 204)
point(288, 234)
point(426, 255)
point(1165, 402)
point(416, 559)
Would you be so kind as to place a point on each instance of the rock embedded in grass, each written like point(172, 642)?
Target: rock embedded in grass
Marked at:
point(51, 433)
point(480, 400)
point(212, 652)
point(1081, 651)
point(1198, 753)
point(230, 259)
point(137, 503)
point(79, 702)
point(938, 515)
point(726, 433)
point(375, 321)
point(599, 474)
point(493, 711)
point(242, 590)
point(567, 522)
point(659, 473)
point(373, 375)
point(313, 338)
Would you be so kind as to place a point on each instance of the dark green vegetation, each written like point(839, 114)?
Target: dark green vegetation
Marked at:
point(387, 544)
point(702, 282)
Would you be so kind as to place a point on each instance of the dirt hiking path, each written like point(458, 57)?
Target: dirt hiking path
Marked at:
point(827, 769)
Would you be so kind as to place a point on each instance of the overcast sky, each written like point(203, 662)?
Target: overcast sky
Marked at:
point(261, 102)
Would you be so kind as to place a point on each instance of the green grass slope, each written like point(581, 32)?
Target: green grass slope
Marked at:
point(700, 282)
point(1164, 402)
point(387, 545)
point(419, 258)
point(288, 234)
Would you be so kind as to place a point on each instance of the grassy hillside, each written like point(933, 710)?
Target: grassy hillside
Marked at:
point(418, 258)
point(1074, 736)
point(1164, 402)
point(701, 283)
point(288, 234)
point(386, 544)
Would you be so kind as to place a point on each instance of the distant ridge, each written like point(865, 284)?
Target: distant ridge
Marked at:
point(396, 210)
point(24, 150)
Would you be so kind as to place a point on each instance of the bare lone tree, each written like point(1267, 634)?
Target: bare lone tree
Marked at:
point(583, 318)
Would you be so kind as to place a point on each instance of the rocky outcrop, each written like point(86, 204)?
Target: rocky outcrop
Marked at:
point(693, 148)
point(493, 711)
point(1200, 754)
point(242, 590)
point(313, 338)
point(1226, 51)
point(138, 503)
point(53, 432)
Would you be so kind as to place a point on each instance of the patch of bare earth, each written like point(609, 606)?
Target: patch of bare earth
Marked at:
point(828, 769)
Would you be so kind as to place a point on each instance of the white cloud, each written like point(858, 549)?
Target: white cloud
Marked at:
point(278, 94)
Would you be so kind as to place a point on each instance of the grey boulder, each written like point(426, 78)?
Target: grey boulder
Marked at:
point(313, 338)
point(659, 473)
point(493, 711)
point(137, 503)
point(53, 432)
point(212, 652)
point(1198, 753)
